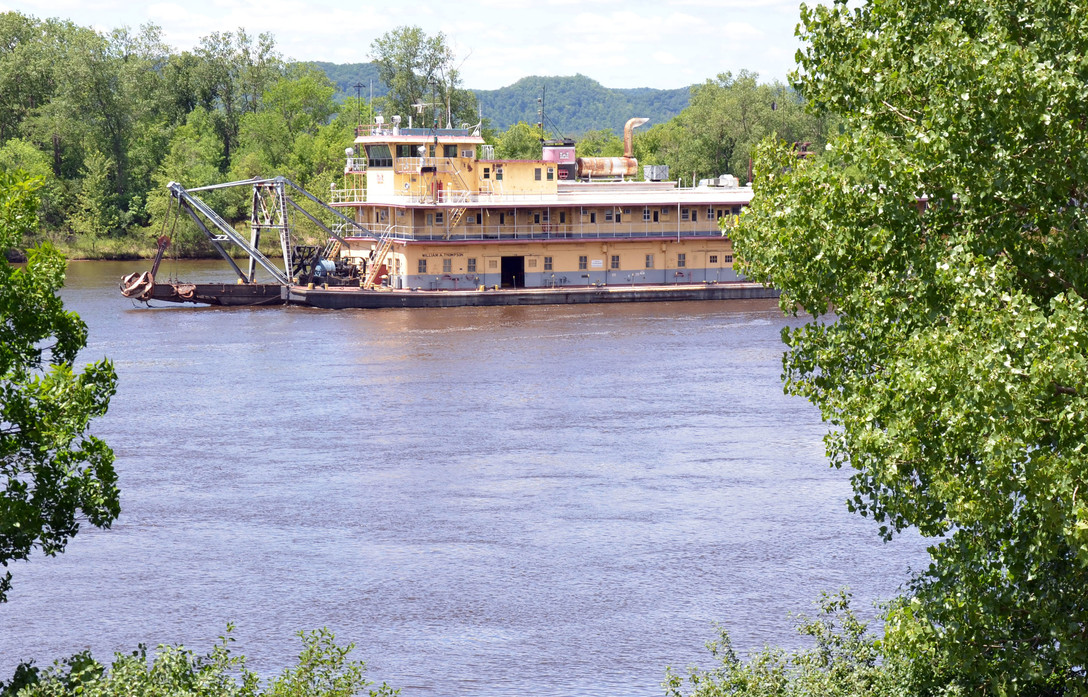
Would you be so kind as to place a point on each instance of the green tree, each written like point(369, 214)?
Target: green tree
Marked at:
point(324, 669)
point(602, 143)
point(18, 154)
point(727, 117)
point(948, 229)
point(231, 76)
point(53, 474)
point(845, 660)
point(520, 142)
point(95, 215)
point(419, 70)
point(195, 159)
point(302, 99)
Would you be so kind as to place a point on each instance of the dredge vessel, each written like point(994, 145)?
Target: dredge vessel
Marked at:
point(428, 217)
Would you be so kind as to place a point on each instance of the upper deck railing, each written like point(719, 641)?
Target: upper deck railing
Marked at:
point(386, 129)
point(469, 232)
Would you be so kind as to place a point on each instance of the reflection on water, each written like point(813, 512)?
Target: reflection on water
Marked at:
point(500, 501)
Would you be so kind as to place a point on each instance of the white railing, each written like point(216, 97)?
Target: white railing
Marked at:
point(470, 231)
point(355, 164)
point(347, 196)
point(397, 232)
point(456, 196)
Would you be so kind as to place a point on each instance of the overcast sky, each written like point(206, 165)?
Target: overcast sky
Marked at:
point(629, 43)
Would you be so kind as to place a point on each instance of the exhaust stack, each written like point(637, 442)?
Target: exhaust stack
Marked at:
point(626, 166)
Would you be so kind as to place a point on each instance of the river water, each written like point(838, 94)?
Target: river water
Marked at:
point(486, 501)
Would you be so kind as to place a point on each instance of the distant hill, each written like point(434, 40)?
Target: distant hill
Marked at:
point(577, 104)
point(573, 104)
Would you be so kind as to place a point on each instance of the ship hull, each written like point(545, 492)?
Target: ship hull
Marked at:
point(353, 298)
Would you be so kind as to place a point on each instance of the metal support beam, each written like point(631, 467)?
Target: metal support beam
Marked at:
point(194, 205)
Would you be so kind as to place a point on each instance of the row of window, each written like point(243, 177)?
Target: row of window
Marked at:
point(447, 266)
point(610, 216)
point(417, 151)
point(537, 173)
point(583, 263)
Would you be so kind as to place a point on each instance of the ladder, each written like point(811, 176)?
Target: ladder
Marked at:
point(455, 216)
point(332, 250)
point(377, 256)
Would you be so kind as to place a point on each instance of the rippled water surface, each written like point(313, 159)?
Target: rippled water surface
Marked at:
point(487, 501)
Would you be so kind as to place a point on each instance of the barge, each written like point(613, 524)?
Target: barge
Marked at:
point(429, 217)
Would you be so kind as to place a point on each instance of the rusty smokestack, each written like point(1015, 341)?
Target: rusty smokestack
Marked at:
point(628, 142)
point(625, 166)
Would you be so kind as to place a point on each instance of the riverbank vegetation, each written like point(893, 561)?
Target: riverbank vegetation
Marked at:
point(107, 120)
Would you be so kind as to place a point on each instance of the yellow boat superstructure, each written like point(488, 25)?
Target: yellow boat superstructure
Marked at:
point(444, 214)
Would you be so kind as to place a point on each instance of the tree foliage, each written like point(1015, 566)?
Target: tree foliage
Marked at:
point(844, 660)
point(520, 142)
point(947, 227)
point(109, 114)
point(422, 80)
point(324, 669)
point(53, 474)
point(727, 117)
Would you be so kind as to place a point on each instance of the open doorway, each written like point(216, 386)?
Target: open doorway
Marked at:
point(513, 272)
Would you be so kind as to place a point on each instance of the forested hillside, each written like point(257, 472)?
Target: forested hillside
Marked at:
point(574, 104)
point(577, 104)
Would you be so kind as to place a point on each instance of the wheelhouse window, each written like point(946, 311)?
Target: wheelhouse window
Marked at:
point(583, 263)
point(649, 261)
point(547, 263)
point(447, 265)
point(422, 266)
point(681, 260)
point(449, 151)
point(487, 172)
point(615, 261)
point(536, 174)
point(379, 156)
point(471, 265)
